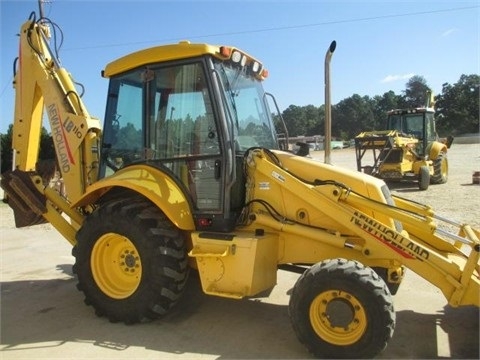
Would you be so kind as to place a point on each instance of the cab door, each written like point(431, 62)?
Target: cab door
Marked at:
point(165, 116)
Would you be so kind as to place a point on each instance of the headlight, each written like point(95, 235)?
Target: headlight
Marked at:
point(236, 57)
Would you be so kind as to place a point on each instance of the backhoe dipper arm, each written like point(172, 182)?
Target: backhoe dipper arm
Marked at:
point(40, 83)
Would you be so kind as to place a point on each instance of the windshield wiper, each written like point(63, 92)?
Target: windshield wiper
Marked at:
point(231, 92)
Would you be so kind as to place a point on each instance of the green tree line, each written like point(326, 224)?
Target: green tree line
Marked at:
point(457, 112)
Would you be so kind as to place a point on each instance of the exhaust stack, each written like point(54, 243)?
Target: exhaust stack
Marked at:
point(328, 105)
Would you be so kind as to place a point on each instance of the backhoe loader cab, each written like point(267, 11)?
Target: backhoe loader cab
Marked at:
point(418, 123)
point(187, 172)
point(192, 110)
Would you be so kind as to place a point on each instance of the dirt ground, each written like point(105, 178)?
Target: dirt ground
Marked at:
point(43, 316)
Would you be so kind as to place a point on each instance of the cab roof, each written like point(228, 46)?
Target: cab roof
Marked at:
point(182, 50)
point(411, 111)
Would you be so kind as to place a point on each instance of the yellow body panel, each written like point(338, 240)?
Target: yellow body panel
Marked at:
point(242, 266)
point(435, 149)
point(292, 198)
point(152, 183)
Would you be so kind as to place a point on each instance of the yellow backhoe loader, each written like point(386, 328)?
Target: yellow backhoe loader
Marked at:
point(187, 173)
point(408, 148)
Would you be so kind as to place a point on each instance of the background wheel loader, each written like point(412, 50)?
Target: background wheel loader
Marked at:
point(408, 149)
point(186, 173)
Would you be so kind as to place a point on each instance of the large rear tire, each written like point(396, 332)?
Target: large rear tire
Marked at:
point(440, 169)
point(131, 261)
point(342, 309)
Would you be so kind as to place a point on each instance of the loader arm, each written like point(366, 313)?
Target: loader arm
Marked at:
point(319, 218)
point(42, 84)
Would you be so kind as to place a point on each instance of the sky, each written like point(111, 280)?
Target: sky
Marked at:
point(380, 44)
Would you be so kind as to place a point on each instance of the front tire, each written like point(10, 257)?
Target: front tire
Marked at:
point(131, 261)
point(342, 309)
point(424, 178)
point(440, 169)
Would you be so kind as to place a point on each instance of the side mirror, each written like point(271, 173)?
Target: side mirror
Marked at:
point(448, 141)
point(304, 149)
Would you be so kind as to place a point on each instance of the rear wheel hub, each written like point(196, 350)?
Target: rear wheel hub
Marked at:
point(116, 266)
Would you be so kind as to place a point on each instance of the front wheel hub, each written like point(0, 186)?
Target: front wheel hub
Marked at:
point(338, 317)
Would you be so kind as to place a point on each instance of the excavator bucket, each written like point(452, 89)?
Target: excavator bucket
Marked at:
point(27, 202)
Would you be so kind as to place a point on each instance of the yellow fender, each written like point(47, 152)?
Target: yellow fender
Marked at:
point(155, 184)
point(435, 148)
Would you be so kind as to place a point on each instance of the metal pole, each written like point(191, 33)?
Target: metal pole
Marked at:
point(328, 105)
point(40, 8)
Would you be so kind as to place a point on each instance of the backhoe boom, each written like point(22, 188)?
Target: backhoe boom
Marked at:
point(40, 83)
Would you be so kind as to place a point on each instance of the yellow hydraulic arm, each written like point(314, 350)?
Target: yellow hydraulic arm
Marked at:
point(40, 83)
